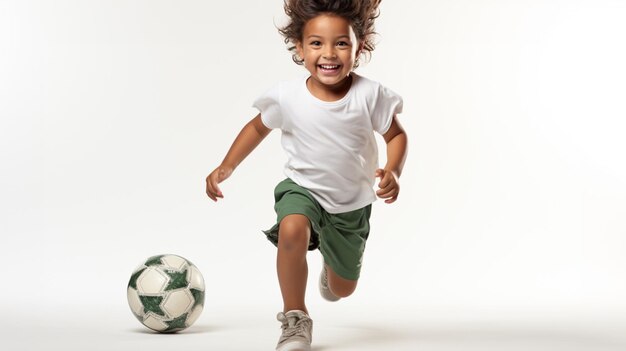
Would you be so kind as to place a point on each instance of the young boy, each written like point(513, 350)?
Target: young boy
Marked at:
point(327, 122)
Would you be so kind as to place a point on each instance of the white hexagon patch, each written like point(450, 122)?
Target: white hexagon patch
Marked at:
point(152, 281)
point(191, 318)
point(174, 261)
point(154, 323)
point(195, 279)
point(177, 303)
point(134, 302)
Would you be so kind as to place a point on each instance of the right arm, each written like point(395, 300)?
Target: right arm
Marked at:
point(248, 139)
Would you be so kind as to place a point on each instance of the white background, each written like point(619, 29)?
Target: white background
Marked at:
point(513, 197)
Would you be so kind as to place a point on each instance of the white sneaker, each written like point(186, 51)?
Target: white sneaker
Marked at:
point(297, 328)
point(324, 289)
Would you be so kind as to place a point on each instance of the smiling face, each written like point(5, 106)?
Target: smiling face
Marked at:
point(329, 49)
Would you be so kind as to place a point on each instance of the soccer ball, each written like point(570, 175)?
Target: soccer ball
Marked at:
point(166, 293)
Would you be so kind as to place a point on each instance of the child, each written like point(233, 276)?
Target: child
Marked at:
point(327, 122)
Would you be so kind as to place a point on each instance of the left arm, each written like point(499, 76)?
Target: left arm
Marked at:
point(396, 141)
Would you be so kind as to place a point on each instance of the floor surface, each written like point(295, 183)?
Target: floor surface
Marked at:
point(336, 327)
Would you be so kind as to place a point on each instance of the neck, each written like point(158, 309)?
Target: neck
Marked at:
point(330, 92)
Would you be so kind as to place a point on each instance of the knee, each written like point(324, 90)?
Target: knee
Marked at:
point(343, 290)
point(339, 286)
point(294, 232)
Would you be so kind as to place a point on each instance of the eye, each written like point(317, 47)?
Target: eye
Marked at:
point(315, 43)
point(343, 43)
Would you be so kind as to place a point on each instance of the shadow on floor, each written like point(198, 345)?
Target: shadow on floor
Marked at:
point(477, 336)
point(195, 329)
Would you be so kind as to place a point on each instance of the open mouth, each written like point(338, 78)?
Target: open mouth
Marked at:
point(329, 68)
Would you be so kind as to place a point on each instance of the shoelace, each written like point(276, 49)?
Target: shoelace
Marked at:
point(293, 325)
point(325, 279)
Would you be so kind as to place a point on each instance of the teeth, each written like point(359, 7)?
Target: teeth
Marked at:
point(329, 66)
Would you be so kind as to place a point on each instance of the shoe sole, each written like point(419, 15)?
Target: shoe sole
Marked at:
point(295, 346)
point(330, 296)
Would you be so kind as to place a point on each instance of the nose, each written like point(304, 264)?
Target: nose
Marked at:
point(329, 53)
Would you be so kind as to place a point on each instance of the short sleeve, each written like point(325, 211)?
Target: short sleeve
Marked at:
point(386, 105)
point(268, 105)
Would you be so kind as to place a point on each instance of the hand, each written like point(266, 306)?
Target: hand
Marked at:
point(389, 185)
point(218, 175)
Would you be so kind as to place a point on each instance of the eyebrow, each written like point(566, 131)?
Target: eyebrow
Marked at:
point(319, 36)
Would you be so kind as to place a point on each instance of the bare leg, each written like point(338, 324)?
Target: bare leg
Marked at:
point(291, 264)
point(339, 286)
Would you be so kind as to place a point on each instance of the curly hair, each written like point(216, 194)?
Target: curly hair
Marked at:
point(360, 13)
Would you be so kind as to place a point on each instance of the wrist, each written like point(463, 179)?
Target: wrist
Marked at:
point(227, 166)
point(395, 171)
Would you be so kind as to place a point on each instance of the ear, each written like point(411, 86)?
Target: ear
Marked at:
point(299, 50)
point(359, 49)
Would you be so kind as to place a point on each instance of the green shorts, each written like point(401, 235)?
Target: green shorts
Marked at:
point(340, 237)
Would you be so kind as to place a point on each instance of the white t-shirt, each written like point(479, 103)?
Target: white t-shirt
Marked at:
point(331, 148)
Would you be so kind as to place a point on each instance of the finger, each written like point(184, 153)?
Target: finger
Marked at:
point(383, 194)
point(387, 185)
point(392, 200)
point(215, 189)
point(392, 185)
point(388, 194)
point(209, 191)
point(387, 180)
point(380, 173)
point(384, 183)
point(211, 196)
